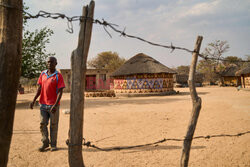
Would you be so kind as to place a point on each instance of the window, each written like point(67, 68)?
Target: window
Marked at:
point(103, 77)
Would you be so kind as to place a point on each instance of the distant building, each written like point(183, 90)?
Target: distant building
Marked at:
point(245, 77)
point(181, 80)
point(96, 79)
point(229, 76)
point(143, 75)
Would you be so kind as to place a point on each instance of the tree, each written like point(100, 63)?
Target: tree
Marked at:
point(207, 67)
point(246, 64)
point(216, 49)
point(34, 50)
point(213, 68)
point(183, 69)
point(107, 60)
point(232, 60)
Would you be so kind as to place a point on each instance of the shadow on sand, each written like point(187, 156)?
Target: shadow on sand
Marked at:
point(99, 102)
point(130, 149)
point(16, 132)
point(188, 93)
point(93, 103)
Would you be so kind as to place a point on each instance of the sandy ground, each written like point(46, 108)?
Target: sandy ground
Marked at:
point(111, 122)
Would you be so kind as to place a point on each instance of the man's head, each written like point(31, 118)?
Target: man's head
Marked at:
point(51, 63)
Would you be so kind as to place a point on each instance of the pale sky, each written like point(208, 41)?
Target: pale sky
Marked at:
point(159, 21)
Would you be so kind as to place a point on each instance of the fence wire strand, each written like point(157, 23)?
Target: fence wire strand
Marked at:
point(106, 24)
point(118, 148)
point(112, 26)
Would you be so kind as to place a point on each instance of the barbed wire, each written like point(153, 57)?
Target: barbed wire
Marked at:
point(106, 24)
point(172, 47)
point(89, 144)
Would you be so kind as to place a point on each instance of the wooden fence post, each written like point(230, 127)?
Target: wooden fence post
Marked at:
point(78, 70)
point(196, 106)
point(10, 63)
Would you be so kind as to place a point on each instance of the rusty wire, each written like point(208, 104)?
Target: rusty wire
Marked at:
point(122, 33)
point(112, 26)
point(118, 148)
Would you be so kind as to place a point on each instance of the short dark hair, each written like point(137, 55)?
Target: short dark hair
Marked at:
point(52, 57)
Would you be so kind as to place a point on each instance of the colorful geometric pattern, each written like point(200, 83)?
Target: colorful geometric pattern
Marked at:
point(144, 83)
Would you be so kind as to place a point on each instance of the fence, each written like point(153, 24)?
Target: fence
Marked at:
point(79, 57)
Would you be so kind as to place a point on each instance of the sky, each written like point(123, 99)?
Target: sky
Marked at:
point(161, 21)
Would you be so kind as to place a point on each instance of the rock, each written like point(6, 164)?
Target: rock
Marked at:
point(66, 111)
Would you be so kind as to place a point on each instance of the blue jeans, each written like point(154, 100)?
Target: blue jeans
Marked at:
point(45, 116)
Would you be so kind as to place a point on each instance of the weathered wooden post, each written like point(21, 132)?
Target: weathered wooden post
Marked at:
point(196, 105)
point(10, 63)
point(78, 70)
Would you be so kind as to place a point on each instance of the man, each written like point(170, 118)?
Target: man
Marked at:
point(50, 90)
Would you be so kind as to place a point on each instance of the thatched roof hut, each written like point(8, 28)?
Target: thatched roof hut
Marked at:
point(245, 77)
point(230, 71)
point(181, 80)
point(243, 71)
point(142, 64)
point(143, 75)
point(229, 76)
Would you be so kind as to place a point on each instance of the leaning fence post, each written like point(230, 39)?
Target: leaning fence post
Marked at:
point(10, 64)
point(78, 70)
point(196, 105)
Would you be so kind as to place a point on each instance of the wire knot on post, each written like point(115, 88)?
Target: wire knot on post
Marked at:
point(70, 144)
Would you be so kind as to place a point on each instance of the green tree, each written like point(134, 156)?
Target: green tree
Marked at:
point(207, 67)
point(232, 60)
point(106, 60)
point(34, 52)
point(183, 69)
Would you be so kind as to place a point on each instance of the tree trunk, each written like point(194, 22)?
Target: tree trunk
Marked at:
point(196, 106)
point(10, 63)
point(78, 70)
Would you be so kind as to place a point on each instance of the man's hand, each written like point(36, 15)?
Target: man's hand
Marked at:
point(53, 109)
point(32, 104)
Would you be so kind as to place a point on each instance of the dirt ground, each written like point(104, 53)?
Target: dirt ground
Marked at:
point(112, 122)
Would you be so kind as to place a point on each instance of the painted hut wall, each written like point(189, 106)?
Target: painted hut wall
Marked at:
point(102, 79)
point(144, 83)
point(246, 80)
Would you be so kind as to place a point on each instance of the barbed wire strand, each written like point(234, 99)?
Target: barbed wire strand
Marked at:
point(106, 24)
point(89, 144)
point(172, 47)
point(122, 33)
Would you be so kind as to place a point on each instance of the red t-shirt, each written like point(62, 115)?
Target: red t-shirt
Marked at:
point(50, 84)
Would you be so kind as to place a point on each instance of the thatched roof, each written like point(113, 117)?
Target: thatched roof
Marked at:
point(244, 71)
point(142, 64)
point(230, 71)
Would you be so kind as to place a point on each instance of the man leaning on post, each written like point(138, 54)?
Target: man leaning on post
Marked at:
point(50, 90)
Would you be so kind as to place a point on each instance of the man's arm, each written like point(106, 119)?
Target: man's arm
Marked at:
point(59, 96)
point(36, 96)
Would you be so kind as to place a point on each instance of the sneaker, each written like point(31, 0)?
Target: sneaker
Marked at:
point(53, 148)
point(43, 147)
